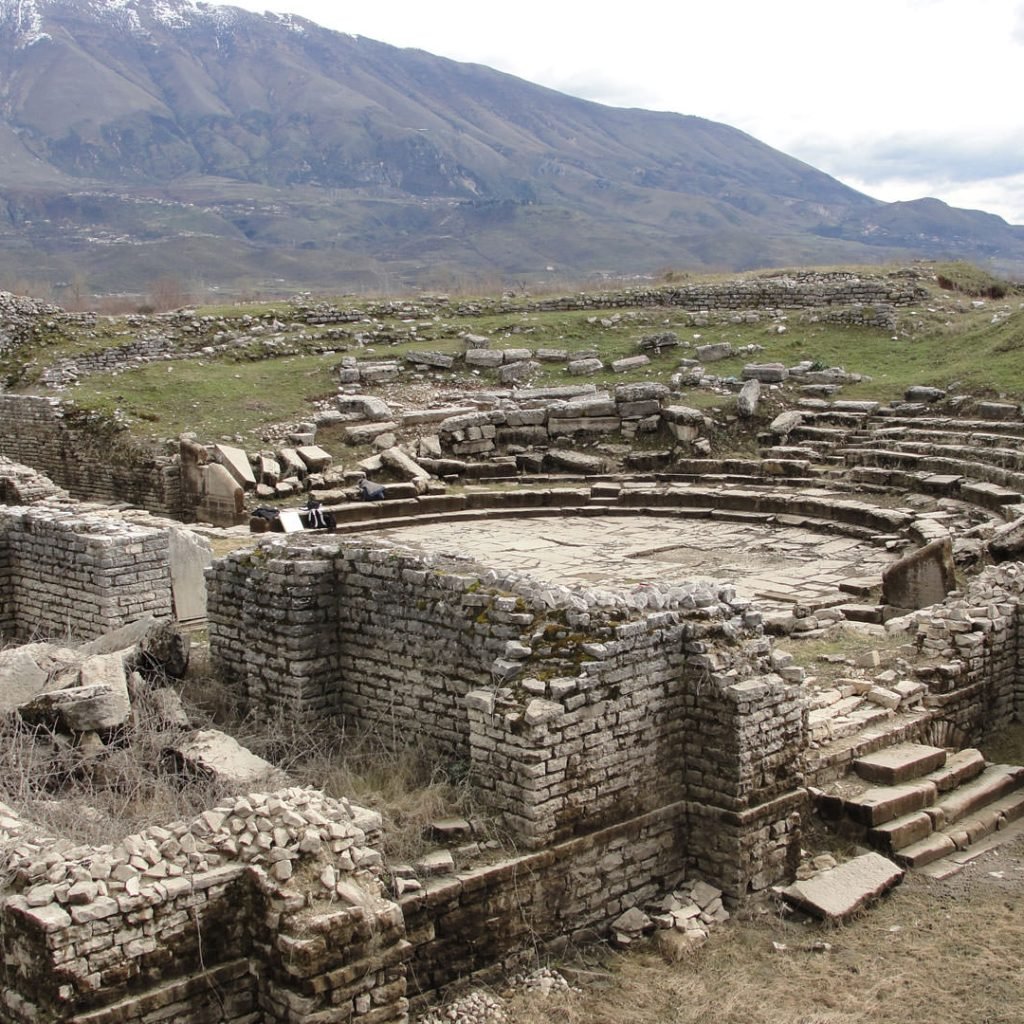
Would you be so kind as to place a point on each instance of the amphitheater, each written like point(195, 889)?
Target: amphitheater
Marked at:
point(606, 646)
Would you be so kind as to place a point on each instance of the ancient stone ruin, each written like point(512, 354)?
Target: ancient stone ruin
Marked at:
point(605, 649)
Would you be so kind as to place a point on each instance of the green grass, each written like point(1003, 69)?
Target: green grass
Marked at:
point(214, 399)
point(946, 342)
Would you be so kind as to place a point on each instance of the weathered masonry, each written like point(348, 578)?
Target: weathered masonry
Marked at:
point(577, 711)
point(66, 572)
point(572, 717)
point(58, 440)
point(196, 921)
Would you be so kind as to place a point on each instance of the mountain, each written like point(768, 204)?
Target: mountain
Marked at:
point(147, 138)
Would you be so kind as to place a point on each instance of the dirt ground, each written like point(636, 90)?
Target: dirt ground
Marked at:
point(949, 951)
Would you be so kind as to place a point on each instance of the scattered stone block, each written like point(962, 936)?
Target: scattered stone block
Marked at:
point(366, 407)
point(367, 433)
point(714, 353)
point(576, 462)
point(484, 358)
point(1007, 543)
point(21, 675)
point(767, 373)
point(629, 363)
point(236, 462)
point(749, 396)
point(921, 393)
point(585, 367)
point(315, 459)
point(215, 755)
point(291, 464)
point(510, 373)
point(223, 500)
point(98, 703)
point(786, 422)
point(838, 894)
point(433, 360)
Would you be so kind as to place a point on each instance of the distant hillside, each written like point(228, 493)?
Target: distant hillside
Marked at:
point(146, 138)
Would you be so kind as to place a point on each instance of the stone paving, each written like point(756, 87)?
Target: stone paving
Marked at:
point(775, 564)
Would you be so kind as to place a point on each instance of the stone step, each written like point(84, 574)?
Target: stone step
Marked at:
point(978, 806)
point(965, 834)
point(996, 781)
point(900, 763)
point(955, 861)
point(965, 455)
point(923, 852)
point(841, 891)
point(884, 803)
point(952, 425)
point(959, 768)
point(975, 827)
point(901, 832)
point(1012, 806)
point(983, 814)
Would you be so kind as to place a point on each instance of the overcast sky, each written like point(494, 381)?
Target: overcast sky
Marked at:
point(898, 98)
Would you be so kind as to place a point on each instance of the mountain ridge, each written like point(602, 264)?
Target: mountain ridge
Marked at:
point(286, 143)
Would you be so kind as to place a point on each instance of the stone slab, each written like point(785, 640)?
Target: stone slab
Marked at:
point(189, 554)
point(899, 763)
point(236, 462)
point(922, 578)
point(216, 755)
point(882, 804)
point(837, 894)
point(21, 678)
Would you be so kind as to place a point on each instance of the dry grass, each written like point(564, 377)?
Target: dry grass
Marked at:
point(948, 951)
point(393, 774)
point(98, 795)
point(406, 785)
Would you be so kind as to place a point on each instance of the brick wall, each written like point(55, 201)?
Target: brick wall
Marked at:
point(68, 573)
point(570, 715)
point(90, 459)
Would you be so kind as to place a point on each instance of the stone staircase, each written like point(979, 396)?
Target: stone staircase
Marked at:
point(977, 459)
point(916, 803)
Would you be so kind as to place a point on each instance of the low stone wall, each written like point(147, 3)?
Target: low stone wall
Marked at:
point(91, 463)
point(538, 902)
point(197, 920)
point(802, 289)
point(69, 573)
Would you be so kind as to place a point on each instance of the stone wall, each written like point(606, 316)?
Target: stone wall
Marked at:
point(70, 573)
point(974, 648)
point(802, 289)
point(573, 709)
point(92, 459)
point(476, 922)
point(197, 920)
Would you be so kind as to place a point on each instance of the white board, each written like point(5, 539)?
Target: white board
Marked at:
point(290, 520)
